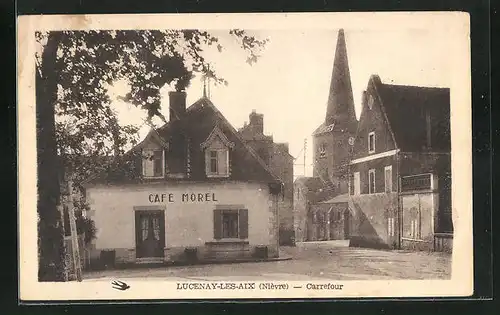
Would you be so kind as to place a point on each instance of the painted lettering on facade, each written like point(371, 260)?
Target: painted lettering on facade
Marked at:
point(184, 197)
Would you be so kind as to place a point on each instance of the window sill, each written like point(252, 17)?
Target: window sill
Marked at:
point(414, 239)
point(227, 241)
point(153, 177)
point(217, 176)
point(176, 175)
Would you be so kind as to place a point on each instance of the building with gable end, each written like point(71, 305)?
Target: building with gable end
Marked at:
point(192, 190)
point(280, 162)
point(400, 173)
point(331, 154)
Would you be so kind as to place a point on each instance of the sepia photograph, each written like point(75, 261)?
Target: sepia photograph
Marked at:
point(244, 156)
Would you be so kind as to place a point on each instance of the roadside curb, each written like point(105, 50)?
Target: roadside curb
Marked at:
point(199, 263)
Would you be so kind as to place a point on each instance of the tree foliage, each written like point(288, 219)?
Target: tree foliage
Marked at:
point(77, 126)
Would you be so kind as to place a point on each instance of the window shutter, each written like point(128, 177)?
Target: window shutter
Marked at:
point(217, 224)
point(147, 163)
point(222, 159)
point(243, 223)
point(207, 162)
point(158, 163)
point(138, 229)
point(138, 163)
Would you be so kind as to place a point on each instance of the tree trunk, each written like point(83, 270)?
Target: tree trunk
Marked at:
point(50, 231)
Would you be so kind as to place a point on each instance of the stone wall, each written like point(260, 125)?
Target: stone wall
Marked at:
point(369, 219)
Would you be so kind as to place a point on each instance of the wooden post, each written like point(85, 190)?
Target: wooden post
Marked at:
point(74, 235)
point(60, 207)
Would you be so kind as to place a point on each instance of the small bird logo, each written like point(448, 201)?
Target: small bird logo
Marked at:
point(120, 285)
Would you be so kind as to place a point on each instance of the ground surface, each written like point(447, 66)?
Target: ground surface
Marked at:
point(308, 263)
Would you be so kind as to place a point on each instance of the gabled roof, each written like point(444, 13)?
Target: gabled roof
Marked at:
point(217, 133)
point(202, 121)
point(316, 187)
point(406, 109)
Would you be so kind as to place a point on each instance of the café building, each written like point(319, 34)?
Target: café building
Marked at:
point(190, 191)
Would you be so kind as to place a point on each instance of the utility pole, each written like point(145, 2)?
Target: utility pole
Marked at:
point(305, 148)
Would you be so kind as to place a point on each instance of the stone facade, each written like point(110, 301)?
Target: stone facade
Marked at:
point(400, 174)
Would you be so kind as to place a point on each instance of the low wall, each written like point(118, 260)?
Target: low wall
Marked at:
point(416, 245)
point(211, 251)
point(443, 242)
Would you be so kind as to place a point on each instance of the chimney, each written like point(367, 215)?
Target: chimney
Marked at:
point(364, 99)
point(284, 147)
point(177, 100)
point(257, 122)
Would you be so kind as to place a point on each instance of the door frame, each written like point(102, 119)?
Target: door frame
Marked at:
point(152, 210)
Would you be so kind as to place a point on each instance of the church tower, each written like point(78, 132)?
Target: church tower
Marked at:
point(331, 140)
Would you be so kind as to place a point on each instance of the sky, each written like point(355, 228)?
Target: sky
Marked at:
point(290, 82)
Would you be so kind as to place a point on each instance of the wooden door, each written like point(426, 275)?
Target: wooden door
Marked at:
point(150, 233)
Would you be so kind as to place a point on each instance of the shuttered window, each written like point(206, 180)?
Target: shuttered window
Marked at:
point(158, 163)
point(371, 181)
point(230, 224)
point(153, 163)
point(217, 162)
point(388, 178)
point(390, 226)
point(357, 183)
point(217, 224)
point(371, 142)
point(243, 223)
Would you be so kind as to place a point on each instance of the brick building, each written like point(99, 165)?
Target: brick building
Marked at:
point(192, 190)
point(384, 181)
point(400, 172)
point(280, 162)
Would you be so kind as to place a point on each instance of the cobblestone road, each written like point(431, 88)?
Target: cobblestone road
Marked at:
point(308, 263)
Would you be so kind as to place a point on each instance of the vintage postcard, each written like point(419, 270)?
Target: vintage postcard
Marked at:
point(202, 156)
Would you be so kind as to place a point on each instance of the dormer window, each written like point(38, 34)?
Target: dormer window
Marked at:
point(371, 142)
point(216, 149)
point(153, 163)
point(322, 150)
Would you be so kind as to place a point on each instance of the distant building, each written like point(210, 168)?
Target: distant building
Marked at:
point(280, 162)
point(331, 154)
point(192, 190)
point(308, 191)
point(400, 172)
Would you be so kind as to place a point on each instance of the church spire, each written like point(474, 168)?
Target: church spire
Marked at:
point(340, 108)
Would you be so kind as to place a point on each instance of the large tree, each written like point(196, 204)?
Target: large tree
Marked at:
point(74, 72)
